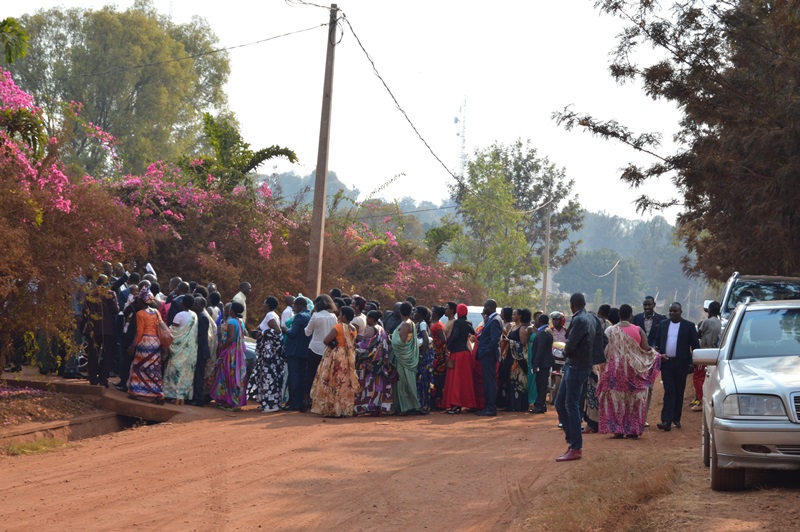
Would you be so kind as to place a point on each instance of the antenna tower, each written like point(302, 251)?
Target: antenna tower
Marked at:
point(461, 133)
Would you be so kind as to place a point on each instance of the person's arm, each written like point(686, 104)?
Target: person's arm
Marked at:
point(229, 338)
point(578, 331)
point(694, 342)
point(524, 334)
point(440, 334)
point(330, 336)
point(455, 335)
point(643, 343)
point(310, 327)
point(273, 324)
point(425, 340)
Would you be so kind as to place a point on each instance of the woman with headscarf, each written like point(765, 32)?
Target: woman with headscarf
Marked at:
point(373, 369)
point(179, 375)
point(335, 386)
point(631, 367)
point(406, 355)
point(145, 380)
point(230, 372)
point(459, 386)
point(266, 383)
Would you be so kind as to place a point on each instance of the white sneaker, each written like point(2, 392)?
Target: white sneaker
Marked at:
point(268, 410)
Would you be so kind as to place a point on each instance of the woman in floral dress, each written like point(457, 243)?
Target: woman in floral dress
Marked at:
point(230, 373)
point(517, 383)
point(439, 355)
point(266, 383)
point(373, 369)
point(179, 375)
point(145, 378)
point(336, 384)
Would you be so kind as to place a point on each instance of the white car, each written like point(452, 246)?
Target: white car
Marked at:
point(751, 396)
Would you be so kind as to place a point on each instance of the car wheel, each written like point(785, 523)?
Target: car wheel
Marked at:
point(723, 479)
point(706, 444)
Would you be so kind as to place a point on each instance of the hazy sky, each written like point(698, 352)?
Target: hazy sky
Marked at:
point(515, 62)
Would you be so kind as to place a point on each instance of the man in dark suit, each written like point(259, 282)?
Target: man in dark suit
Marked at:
point(297, 353)
point(677, 340)
point(489, 356)
point(649, 320)
point(542, 361)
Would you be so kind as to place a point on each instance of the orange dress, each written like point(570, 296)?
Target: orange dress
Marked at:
point(333, 393)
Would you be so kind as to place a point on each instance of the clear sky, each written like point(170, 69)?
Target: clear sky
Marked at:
point(515, 62)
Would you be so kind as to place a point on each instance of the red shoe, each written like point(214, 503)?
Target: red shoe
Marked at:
point(572, 454)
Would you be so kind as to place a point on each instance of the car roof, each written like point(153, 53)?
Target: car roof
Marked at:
point(773, 305)
point(769, 278)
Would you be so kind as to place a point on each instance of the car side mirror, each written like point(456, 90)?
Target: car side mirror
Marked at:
point(705, 357)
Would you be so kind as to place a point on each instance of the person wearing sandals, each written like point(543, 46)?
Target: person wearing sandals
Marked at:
point(459, 386)
point(631, 367)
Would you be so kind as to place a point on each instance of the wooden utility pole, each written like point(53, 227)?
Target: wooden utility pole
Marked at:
point(614, 291)
point(546, 260)
point(317, 238)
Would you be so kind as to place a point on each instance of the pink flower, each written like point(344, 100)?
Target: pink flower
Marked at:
point(212, 246)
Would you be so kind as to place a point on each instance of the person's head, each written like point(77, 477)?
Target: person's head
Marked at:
point(462, 311)
point(713, 309)
point(182, 288)
point(376, 303)
point(557, 319)
point(271, 303)
point(406, 310)
point(288, 300)
point(346, 314)
point(525, 315)
point(102, 279)
point(108, 269)
point(299, 305)
point(141, 285)
point(134, 278)
point(199, 304)
point(397, 306)
point(339, 302)
point(192, 286)
point(145, 296)
point(187, 302)
point(119, 269)
point(625, 312)
point(173, 283)
point(244, 287)
point(436, 313)
point(603, 311)
point(358, 304)
point(675, 311)
point(507, 314)
point(214, 299)
point(236, 309)
point(369, 307)
point(226, 310)
point(648, 305)
point(133, 290)
point(450, 309)
point(373, 317)
point(490, 307)
point(155, 289)
point(324, 302)
point(335, 292)
point(201, 291)
point(613, 315)
point(577, 302)
point(543, 319)
point(150, 277)
point(212, 287)
point(422, 314)
point(537, 314)
point(412, 300)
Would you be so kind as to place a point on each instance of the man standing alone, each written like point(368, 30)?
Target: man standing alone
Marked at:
point(489, 355)
point(578, 353)
point(678, 338)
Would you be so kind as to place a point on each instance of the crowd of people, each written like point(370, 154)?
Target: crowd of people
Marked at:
point(341, 355)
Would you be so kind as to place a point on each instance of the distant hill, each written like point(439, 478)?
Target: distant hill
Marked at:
point(290, 187)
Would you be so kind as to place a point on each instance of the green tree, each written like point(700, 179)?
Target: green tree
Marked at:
point(13, 40)
point(732, 69)
point(131, 72)
point(493, 246)
point(589, 273)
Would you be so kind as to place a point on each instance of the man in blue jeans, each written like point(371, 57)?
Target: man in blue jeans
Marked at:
point(578, 353)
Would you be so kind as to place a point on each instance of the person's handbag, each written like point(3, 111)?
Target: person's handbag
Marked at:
point(165, 337)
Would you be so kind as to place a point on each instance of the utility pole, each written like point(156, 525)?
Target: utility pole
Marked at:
point(546, 259)
point(614, 291)
point(317, 238)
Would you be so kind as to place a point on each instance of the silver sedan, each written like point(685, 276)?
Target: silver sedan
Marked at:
point(751, 396)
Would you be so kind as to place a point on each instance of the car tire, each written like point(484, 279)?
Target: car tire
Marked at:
point(728, 479)
point(706, 443)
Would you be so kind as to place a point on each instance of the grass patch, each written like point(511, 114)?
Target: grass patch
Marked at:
point(35, 447)
point(607, 492)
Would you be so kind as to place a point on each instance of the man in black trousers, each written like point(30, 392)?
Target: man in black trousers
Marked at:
point(489, 356)
point(677, 340)
point(542, 361)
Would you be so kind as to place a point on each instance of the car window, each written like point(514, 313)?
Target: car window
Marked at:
point(761, 290)
point(768, 333)
point(727, 331)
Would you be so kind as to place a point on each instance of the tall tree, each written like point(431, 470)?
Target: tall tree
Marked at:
point(13, 40)
point(733, 70)
point(133, 73)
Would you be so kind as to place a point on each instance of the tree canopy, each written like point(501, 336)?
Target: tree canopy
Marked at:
point(733, 70)
point(139, 77)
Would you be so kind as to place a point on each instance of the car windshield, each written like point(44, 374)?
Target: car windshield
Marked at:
point(768, 333)
point(761, 290)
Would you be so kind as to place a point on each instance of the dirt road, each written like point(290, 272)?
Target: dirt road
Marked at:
point(291, 471)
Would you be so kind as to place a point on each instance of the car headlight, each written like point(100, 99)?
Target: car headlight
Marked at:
point(752, 405)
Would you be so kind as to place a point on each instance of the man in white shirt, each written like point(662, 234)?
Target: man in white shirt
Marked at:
point(360, 321)
point(287, 312)
point(678, 338)
point(241, 297)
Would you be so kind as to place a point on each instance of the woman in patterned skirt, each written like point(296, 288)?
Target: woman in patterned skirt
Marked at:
point(145, 378)
point(425, 391)
point(230, 373)
point(373, 369)
point(439, 355)
point(266, 383)
point(517, 383)
point(336, 384)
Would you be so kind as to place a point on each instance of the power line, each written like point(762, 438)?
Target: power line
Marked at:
point(405, 212)
point(201, 54)
point(419, 135)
